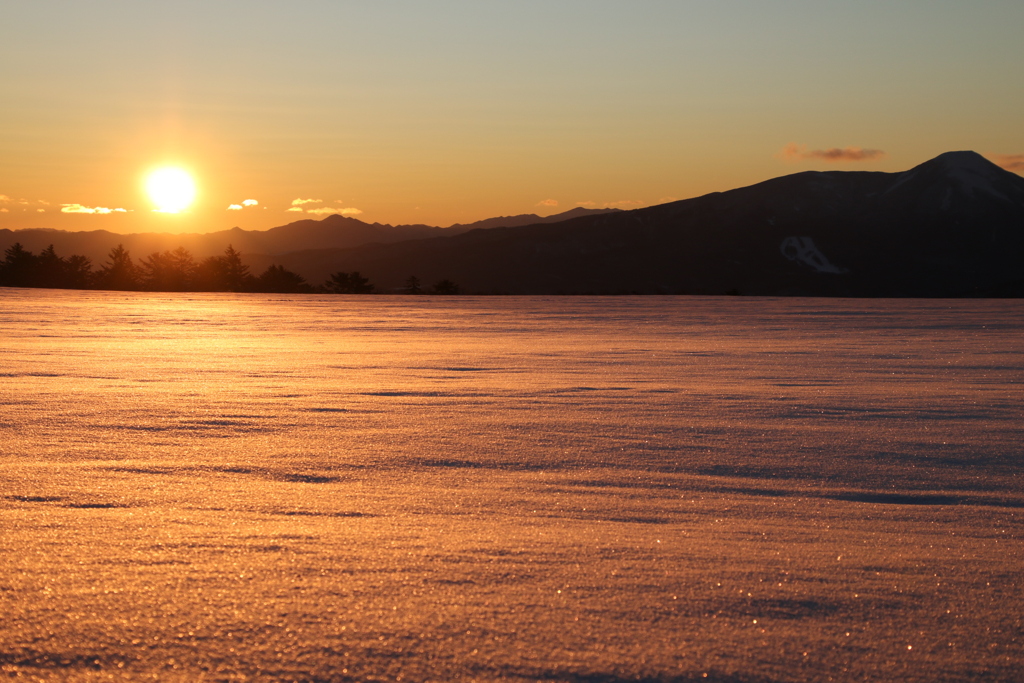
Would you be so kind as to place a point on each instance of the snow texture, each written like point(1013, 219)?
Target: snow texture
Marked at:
point(243, 487)
point(968, 171)
point(803, 250)
point(974, 174)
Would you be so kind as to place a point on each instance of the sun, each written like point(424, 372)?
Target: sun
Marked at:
point(171, 189)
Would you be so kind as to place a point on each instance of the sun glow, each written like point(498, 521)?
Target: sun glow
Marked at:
point(171, 189)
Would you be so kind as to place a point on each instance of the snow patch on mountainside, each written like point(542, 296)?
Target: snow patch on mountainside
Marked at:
point(975, 179)
point(803, 250)
point(968, 171)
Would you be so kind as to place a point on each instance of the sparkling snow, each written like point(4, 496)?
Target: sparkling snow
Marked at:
point(246, 487)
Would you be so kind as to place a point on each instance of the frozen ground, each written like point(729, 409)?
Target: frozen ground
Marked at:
point(242, 487)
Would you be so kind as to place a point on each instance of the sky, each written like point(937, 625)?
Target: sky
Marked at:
point(454, 111)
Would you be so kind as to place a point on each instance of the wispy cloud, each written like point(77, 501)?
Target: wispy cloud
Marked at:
point(621, 204)
point(250, 202)
point(78, 208)
point(324, 210)
point(4, 199)
point(548, 202)
point(795, 152)
point(4, 211)
point(1011, 162)
point(624, 204)
point(234, 207)
point(299, 205)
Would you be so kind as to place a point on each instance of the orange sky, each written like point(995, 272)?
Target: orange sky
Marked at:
point(405, 112)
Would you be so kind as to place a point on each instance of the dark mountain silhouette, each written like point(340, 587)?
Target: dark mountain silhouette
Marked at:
point(953, 226)
point(331, 232)
point(525, 219)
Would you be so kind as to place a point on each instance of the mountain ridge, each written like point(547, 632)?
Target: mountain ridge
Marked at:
point(334, 231)
point(952, 226)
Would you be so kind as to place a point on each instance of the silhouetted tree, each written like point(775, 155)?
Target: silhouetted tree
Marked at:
point(170, 271)
point(120, 272)
point(21, 268)
point(18, 268)
point(348, 283)
point(412, 285)
point(338, 283)
point(445, 287)
point(225, 273)
point(77, 272)
point(235, 272)
point(50, 269)
point(156, 271)
point(281, 280)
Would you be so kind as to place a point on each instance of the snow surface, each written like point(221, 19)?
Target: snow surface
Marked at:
point(803, 249)
point(974, 174)
point(245, 487)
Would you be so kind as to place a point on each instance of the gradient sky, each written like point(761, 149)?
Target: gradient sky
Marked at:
point(453, 111)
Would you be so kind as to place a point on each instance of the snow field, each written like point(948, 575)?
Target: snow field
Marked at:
point(242, 487)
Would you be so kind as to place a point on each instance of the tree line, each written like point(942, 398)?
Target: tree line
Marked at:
point(176, 271)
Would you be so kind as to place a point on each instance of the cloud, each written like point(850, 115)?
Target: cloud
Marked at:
point(3, 211)
point(295, 208)
point(300, 202)
point(324, 210)
point(621, 204)
point(795, 152)
point(78, 208)
point(1011, 162)
point(4, 199)
point(548, 202)
point(244, 204)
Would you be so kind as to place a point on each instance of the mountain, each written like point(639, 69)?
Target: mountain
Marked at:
point(953, 226)
point(331, 232)
point(526, 219)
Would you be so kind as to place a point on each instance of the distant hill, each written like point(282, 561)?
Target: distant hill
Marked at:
point(331, 232)
point(953, 226)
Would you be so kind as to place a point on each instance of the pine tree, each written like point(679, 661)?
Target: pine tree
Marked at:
point(348, 283)
point(412, 285)
point(18, 268)
point(170, 271)
point(120, 273)
point(281, 280)
point(77, 272)
point(446, 287)
point(236, 274)
point(225, 273)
